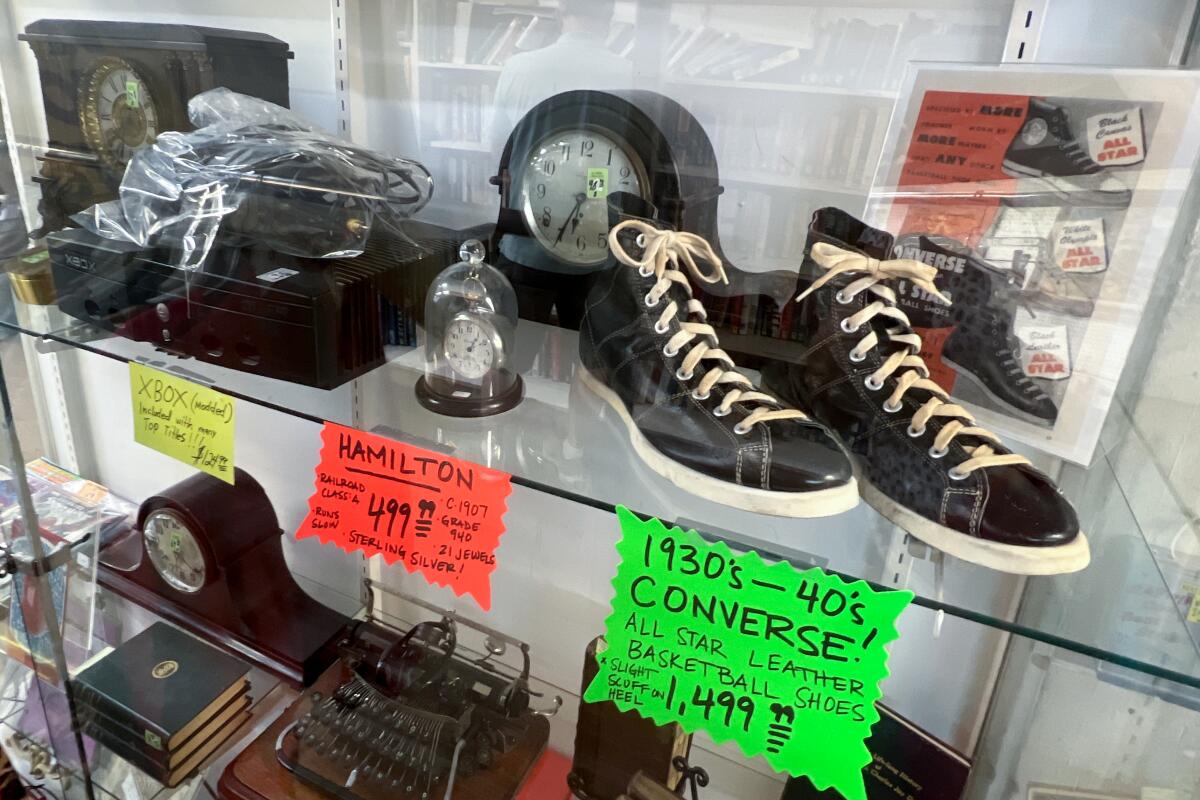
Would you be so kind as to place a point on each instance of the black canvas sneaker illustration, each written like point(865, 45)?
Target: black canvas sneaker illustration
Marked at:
point(982, 347)
point(692, 417)
point(921, 460)
point(1048, 159)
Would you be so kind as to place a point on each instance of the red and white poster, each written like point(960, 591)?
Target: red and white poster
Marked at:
point(1045, 199)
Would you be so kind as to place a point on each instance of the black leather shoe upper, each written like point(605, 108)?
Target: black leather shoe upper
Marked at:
point(1011, 504)
point(619, 345)
point(1045, 143)
point(984, 306)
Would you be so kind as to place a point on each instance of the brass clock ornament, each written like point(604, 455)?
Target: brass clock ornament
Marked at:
point(470, 331)
point(117, 111)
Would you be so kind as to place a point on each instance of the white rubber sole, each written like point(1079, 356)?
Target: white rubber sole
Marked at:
point(1070, 557)
point(1007, 409)
point(1066, 191)
point(819, 503)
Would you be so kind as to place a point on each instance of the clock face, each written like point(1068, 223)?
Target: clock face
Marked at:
point(564, 191)
point(470, 346)
point(117, 110)
point(174, 551)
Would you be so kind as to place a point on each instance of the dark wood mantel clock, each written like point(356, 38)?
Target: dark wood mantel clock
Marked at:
point(111, 87)
point(573, 149)
point(209, 557)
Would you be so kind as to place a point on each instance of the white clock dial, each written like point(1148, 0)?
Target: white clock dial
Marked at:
point(118, 111)
point(174, 551)
point(470, 347)
point(564, 190)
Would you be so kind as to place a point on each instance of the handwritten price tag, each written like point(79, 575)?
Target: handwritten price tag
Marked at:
point(184, 420)
point(436, 515)
point(786, 663)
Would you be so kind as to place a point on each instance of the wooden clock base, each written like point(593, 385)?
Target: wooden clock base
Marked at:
point(453, 405)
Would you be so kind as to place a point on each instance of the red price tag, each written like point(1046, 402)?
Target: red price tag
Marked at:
point(436, 515)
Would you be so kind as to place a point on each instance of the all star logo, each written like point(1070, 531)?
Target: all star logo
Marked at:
point(943, 261)
point(1034, 132)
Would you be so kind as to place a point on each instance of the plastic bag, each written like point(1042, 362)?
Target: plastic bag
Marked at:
point(255, 173)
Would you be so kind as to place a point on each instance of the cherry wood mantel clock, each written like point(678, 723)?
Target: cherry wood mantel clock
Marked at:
point(209, 557)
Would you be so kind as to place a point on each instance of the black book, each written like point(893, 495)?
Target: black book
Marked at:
point(107, 730)
point(168, 776)
point(162, 682)
point(907, 762)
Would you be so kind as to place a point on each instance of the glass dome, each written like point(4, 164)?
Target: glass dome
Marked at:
point(470, 333)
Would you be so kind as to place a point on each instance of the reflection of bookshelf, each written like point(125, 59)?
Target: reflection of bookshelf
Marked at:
point(476, 67)
point(799, 88)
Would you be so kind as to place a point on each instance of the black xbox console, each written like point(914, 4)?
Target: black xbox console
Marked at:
point(317, 322)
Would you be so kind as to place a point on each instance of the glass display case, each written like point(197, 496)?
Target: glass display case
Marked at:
point(349, 342)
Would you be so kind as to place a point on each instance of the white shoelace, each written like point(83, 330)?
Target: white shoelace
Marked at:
point(836, 261)
point(662, 253)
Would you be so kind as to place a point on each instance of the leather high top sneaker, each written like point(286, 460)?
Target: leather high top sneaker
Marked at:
point(982, 347)
point(1046, 154)
point(692, 417)
point(921, 460)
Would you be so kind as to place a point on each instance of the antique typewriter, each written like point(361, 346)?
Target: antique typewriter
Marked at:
point(415, 714)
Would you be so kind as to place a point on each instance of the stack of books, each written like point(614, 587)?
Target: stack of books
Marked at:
point(164, 701)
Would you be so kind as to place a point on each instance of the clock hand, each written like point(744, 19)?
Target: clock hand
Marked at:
point(579, 198)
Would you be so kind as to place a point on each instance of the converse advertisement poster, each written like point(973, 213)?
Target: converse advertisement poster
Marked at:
point(1046, 201)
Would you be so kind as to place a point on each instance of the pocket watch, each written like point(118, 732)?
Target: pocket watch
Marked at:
point(470, 326)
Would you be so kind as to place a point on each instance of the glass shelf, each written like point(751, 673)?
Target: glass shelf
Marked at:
point(561, 440)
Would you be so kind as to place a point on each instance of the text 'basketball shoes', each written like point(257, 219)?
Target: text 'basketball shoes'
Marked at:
point(1046, 155)
point(922, 462)
point(982, 347)
point(692, 417)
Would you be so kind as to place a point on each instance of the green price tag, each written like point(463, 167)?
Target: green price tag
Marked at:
point(187, 421)
point(597, 182)
point(176, 542)
point(785, 662)
point(132, 97)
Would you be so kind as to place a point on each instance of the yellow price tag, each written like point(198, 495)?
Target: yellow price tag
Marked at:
point(183, 420)
point(1194, 612)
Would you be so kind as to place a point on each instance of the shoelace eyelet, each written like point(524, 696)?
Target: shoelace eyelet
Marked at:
point(645, 272)
point(718, 412)
point(660, 328)
point(935, 453)
point(914, 433)
point(846, 328)
point(843, 299)
point(955, 475)
point(740, 429)
point(641, 240)
point(680, 375)
point(669, 353)
point(872, 384)
point(697, 396)
point(892, 409)
point(650, 304)
point(857, 357)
